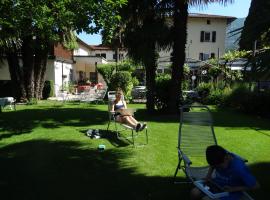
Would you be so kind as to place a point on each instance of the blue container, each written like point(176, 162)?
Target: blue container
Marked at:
point(101, 147)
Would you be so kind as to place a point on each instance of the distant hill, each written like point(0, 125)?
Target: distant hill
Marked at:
point(231, 42)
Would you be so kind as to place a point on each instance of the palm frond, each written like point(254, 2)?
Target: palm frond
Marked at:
point(11, 43)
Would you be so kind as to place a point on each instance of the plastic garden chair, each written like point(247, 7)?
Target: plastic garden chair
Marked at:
point(196, 133)
point(123, 127)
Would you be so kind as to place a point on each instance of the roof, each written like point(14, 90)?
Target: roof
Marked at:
point(190, 15)
point(199, 15)
point(93, 47)
point(82, 42)
point(100, 47)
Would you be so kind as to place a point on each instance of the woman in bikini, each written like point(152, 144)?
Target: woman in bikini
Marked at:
point(118, 104)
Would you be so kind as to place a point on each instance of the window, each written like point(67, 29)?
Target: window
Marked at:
point(71, 74)
point(101, 55)
point(81, 75)
point(159, 71)
point(93, 77)
point(121, 56)
point(208, 21)
point(214, 33)
point(212, 55)
point(205, 36)
point(203, 56)
point(167, 70)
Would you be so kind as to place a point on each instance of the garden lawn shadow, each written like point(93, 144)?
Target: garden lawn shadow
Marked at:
point(45, 170)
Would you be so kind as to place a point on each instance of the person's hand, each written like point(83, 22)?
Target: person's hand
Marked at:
point(227, 188)
point(207, 179)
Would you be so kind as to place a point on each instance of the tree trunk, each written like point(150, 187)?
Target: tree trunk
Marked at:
point(116, 57)
point(150, 68)
point(41, 54)
point(28, 59)
point(178, 54)
point(42, 76)
point(28, 79)
point(16, 75)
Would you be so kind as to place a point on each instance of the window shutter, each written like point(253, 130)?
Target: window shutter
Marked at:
point(214, 33)
point(202, 36)
point(201, 56)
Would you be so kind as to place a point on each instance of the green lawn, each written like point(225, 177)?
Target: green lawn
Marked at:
point(45, 155)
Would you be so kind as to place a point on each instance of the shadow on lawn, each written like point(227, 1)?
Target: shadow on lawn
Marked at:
point(41, 169)
point(230, 118)
point(261, 172)
point(24, 121)
point(221, 117)
point(111, 136)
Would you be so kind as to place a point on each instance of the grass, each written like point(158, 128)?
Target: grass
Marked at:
point(45, 155)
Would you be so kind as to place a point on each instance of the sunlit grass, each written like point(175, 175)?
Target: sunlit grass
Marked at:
point(46, 155)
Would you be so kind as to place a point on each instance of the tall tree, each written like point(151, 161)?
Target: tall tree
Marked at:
point(145, 33)
point(35, 26)
point(180, 16)
point(256, 26)
point(147, 29)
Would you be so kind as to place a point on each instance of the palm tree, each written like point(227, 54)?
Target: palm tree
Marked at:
point(180, 16)
point(146, 32)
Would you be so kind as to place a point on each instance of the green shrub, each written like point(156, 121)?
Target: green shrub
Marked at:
point(215, 97)
point(32, 101)
point(48, 89)
point(162, 88)
point(185, 85)
point(135, 81)
point(214, 71)
point(248, 100)
point(122, 80)
point(106, 70)
point(126, 66)
point(203, 90)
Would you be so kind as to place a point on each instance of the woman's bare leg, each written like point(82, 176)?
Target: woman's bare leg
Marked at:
point(129, 121)
point(131, 118)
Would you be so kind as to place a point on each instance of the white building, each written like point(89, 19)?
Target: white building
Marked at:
point(205, 39)
point(206, 36)
point(59, 67)
point(87, 57)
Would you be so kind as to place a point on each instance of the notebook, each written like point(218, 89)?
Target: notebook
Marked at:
point(127, 111)
point(211, 189)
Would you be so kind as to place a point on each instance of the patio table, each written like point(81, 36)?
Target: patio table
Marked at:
point(7, 101)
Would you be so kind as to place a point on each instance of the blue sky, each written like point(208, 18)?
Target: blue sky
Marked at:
point(238, 9)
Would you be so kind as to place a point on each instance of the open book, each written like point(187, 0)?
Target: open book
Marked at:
point(127, 111)
point(211, 189)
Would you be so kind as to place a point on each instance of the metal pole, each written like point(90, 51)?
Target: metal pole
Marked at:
point(254, 48)
point(218, 57)
point(96, 72)
point(62, 76)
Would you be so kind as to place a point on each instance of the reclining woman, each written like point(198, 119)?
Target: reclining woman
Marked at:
point(118, 104)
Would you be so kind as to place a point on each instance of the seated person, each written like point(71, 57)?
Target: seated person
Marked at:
point(231, 174)
point(129, 120)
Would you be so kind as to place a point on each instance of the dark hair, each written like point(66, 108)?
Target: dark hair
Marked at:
point(215, 155)
point(119, 90)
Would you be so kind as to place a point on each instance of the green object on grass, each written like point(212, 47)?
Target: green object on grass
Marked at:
point(101, 147)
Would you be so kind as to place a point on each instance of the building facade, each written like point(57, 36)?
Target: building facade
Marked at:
point(205, 39)
point(206, 36)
